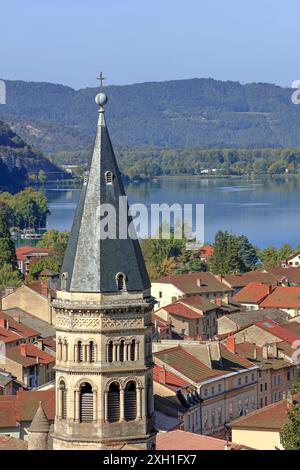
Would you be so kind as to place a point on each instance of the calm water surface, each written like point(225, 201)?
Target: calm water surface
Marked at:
point(266, 210)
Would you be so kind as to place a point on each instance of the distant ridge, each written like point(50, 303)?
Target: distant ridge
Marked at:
point(203, 113)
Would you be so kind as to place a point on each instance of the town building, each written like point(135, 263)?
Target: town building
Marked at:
point(18, 411)
point(27, 254)
point(177, 403)
point(29, 364)
point(192, 317)
point(34, 298)
point(262, 428)
point(252, 295)
point(292, 261)
point(285, 298)
point(169, 289)
point(277, 372)
point(236, 321)
point(225, 381)
point(240, 280)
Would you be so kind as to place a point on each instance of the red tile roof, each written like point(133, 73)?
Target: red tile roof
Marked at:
point(283, 297)
point(291, 273)
point(23, 251)
point(206, 251)
point(272, 416)
point(8, 336)
point(181, 440)
point(28, 402)
point(23, 406)
point(30, 356)
point(17, 327)
point(8, 411)
point(253, 293)
point(278, 330)
point(171, 380)
point(11, 443)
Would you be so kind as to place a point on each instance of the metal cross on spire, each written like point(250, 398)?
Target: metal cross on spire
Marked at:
point(101, 78)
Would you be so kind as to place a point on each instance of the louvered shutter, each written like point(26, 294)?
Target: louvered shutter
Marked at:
point(86, 407)
point(130, 405)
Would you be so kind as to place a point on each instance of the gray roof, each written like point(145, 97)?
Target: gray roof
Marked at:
point(35, 323)
point(248, 318)
point(40, 422)
point(92, 263)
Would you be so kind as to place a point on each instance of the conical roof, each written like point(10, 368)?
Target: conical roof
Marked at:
point(91, 263)
point(40, 422)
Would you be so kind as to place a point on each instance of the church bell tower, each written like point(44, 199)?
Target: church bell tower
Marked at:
point(104, 388)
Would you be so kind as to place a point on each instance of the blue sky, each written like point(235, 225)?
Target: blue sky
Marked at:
point(69, 41)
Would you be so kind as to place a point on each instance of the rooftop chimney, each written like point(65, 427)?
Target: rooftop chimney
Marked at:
point(23, 349)
point(219, 302)
point(230, 343)
point(199, 282)
point(255, 353)
point(162, 375)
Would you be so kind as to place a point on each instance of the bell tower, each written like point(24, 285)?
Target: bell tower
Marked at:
point(104, 389)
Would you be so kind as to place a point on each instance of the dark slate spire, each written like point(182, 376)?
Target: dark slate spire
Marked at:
point(91, 264)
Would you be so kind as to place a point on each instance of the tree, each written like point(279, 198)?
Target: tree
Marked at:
point(290, 435)
point(247, 253)
point(7, 247)
point(229, 254)
point(57, 242)
point(42, 177)
point(45, 262)
point(9, 277)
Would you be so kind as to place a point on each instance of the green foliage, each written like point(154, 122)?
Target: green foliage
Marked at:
point(7, 247)
point(232, 254)
point(190, 262)
point(193, 113)
point(29, 208)
point(290, 434)
point(270, 256)
point(57, 242)
point(9, 277)
point(45, 262)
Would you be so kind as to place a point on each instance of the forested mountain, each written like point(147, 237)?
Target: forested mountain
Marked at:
point(203, 113)
point(17, 160)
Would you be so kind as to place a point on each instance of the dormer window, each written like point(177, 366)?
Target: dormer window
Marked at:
point(64, 278)
point(109, 177)
point(121, 281)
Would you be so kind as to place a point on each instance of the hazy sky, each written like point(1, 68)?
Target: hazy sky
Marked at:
point(70, 41)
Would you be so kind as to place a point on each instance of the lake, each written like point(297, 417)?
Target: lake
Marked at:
point(267, 210)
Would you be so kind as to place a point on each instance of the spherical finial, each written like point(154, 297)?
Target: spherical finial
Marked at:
point(101, 99)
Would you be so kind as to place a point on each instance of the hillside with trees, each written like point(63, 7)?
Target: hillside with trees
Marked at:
point(202, 113)
point(18, 160)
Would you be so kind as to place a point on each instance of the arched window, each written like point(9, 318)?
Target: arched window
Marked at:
point(92, 352)
point(109, 177)
point(63, 399)
point(132, 350)
point(86, 405)
point(121, 282)
point(66, 350)
point(59, 350)
point(130, 401)
point(122, 347)
point(79, 351)
point(113, 403)
point(110, 348)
